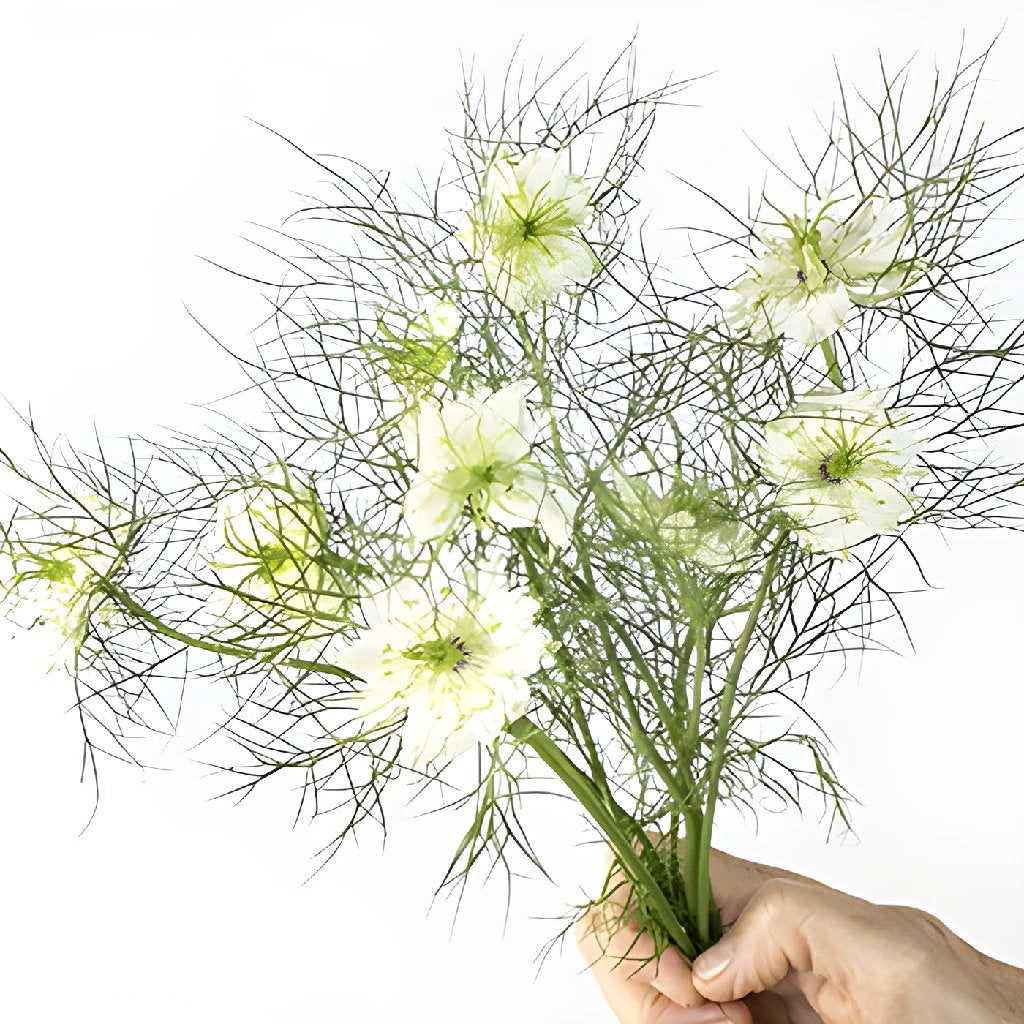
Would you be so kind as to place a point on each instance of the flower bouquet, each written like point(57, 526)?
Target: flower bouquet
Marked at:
point(534, 502)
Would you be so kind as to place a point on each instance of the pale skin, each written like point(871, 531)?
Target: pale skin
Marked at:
point(798, 952)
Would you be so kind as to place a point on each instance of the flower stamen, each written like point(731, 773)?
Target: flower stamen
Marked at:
point(826, 472)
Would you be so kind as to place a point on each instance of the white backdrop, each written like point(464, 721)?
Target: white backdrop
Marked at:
point(128, 151)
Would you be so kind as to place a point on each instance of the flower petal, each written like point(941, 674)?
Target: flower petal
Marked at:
point(432, 505)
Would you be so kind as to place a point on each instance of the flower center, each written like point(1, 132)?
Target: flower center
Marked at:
point(273, 559)
point(447, 654)
point(836, 468)
point(58, 570)
point(486, 475)
point(544, 217)
point(531, 227)
point(810, 269)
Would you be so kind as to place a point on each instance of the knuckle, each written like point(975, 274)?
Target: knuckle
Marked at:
point(776, 895)
point(922, 921)
point(923, 933)
point(657, 1008)
point(908, 946)
point(650, 1004)
point(779, 907)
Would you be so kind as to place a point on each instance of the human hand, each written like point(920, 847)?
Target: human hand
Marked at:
point(801, 953)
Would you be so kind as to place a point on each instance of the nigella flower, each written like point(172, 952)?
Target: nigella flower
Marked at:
point(268, 544)
point(812, 272)
point(413, 348)
point(450, 654)
point(527, 228)
point(55, 579)
point(691, 519)
point(845, 467)
point(479, 447)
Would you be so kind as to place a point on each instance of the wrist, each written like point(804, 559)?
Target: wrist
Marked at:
point(1005, 986)
point(990, 991)
point(956, 981)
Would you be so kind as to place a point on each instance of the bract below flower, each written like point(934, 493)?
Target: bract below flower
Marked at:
point(527, 228)
point(689, 519)
point(479, 447)
point(453, 655)
point(817, 267)
point(268, 544)
point(53, 579)
point(414, 349)
point(844, 465)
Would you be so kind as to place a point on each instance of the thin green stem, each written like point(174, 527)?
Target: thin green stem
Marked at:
point(566, 665)
point(543, 379)
point(664, 711)
point(699, 668)
point(637, 730)
point(691, 856)
point(609, 817)
point(721, 741)
point(684, 803)
point(227, 650)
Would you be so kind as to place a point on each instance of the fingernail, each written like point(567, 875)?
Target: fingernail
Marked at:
point(711, 964)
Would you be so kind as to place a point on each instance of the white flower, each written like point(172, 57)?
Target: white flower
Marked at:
point(479, 447)
point(268, 542)
point(452, 655)
point(54, 579)
point(844, 465)
point(527, 228)
point(815, 269)
point(690, 519)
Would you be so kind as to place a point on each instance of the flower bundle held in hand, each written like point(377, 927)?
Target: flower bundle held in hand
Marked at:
point(532, 494)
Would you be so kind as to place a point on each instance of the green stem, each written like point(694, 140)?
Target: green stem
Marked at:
point(566, 665)
point(587, 589)
point(685, 804)
point(699, 668)
point(664, 711)
point(832, 364)
point(608, 817)
point(227, 650)
point(636, 727)
point(691, 855)
point(680, 698)
point(720, 742)
point(544, 383)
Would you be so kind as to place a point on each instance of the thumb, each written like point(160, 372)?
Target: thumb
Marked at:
point(787, 925)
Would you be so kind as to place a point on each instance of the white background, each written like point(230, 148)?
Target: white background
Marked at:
point(128, 152)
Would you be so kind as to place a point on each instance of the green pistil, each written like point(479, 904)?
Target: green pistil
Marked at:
point(837, 467)
point(483, 477)
point(273, 558)
point(447, 655)
point(57, 570)
point(545, 218)
point(531, 226)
